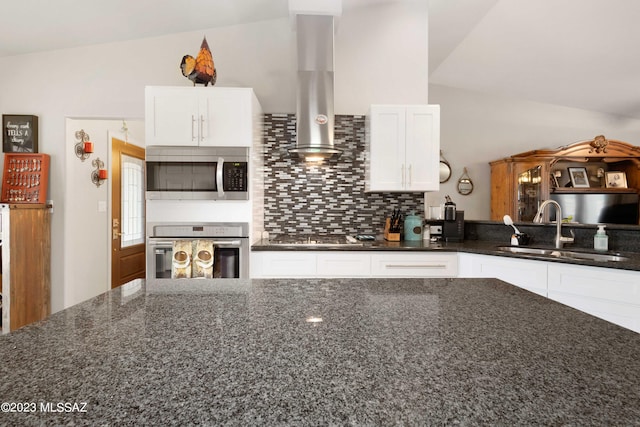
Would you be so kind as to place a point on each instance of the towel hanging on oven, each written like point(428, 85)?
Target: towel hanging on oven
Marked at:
point(181, 261)
point(203, 259)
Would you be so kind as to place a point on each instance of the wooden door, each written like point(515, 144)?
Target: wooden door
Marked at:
point(127, 215)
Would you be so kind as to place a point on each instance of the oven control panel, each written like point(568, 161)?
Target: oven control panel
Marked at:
point(235, 176)
point(198, 230)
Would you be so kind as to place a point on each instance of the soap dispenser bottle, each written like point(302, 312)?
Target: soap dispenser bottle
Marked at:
point(601, 240)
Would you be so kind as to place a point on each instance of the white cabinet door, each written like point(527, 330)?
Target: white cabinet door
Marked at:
point(284, 264)
point(172, 116)
point(344, 264)
point(405, 264)
point(422, 154)
point(526, 274)
point(229, 120)
point(403, 145)
point(386, 148)
point(613, 295)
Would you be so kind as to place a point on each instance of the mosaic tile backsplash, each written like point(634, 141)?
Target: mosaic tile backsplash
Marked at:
point(325, 198)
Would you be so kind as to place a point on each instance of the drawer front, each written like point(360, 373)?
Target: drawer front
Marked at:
point(344, 264)
point(414, 265)
point(283, 264)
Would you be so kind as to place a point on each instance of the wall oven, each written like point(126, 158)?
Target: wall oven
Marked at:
point(197, 173)
point(197, 250)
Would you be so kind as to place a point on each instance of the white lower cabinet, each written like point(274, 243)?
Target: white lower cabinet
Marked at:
point(414, 264)
point(288, 264)
point(345, 264)
point(526, 274)
point(609, 294)
point(283, 264)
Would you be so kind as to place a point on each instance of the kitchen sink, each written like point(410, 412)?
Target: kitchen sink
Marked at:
point(564, 254)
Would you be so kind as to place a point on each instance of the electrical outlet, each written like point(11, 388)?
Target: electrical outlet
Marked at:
point(435, 229)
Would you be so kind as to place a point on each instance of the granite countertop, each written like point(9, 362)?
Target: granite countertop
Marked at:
point(388, 351)
point(483, 247)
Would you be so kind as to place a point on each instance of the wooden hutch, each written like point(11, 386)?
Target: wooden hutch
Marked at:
point(520, 182)
point(25, 232)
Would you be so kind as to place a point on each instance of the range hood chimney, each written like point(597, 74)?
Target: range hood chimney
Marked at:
point(314, 112)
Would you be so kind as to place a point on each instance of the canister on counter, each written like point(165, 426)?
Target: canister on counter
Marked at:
point(413, 227)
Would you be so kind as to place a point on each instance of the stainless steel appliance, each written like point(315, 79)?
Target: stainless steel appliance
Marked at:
point(613, 207)
point(197, 173)
point(230, 247)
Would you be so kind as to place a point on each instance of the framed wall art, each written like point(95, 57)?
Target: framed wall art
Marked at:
point(19, 133)
point(616, 179)
point(579, 177)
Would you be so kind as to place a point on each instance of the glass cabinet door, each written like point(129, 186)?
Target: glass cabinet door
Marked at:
point(529, 193)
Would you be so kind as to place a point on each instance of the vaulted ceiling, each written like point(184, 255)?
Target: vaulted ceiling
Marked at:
point(576, 53)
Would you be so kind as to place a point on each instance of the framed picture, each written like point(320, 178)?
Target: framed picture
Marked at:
point(616, 179)
point(579, 177)
point(19, 133)
point(553, 180)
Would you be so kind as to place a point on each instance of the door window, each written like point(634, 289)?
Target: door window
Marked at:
point(132, 187)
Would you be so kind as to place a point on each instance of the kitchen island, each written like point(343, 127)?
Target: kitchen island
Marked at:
point(321, 351)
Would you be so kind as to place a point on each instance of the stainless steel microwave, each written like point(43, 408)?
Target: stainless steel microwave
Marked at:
point(197, 173)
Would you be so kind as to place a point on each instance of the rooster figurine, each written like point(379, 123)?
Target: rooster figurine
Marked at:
point(200, 69)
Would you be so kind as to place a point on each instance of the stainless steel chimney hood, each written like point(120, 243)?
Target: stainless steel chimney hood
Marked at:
point(314, 112)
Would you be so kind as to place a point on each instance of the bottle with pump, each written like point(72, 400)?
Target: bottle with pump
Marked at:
point(601, 240)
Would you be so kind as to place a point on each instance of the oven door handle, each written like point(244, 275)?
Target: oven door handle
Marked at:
point(219, 177)
point(164, 243)
point(169, 243)
point(227, 242)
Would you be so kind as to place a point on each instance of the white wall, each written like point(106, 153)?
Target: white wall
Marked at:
point(108, 80)
point(381, 56)
point(477, 128)
point(87, 241)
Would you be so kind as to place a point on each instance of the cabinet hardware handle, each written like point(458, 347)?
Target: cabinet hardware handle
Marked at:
point(193, 122)
point(415, 266)
point(201, 127)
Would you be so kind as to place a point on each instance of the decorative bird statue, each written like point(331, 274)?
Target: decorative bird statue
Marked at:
point(200, 69)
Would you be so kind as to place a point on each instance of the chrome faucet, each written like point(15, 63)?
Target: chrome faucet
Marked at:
point(560, 239)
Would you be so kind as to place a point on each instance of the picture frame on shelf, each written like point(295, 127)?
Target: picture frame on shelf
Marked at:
point(19, 133)
point(579, 177)
point(615, 179)
point(553, 180)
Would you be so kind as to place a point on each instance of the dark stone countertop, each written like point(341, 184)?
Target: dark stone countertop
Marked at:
point(484, 237)
point(483, 247)
point(388, 352)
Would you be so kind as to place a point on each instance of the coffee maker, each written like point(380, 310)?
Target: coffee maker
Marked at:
point(453, 226)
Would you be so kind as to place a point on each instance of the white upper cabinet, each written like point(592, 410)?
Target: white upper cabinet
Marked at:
point(403, 148)
point(200, 116)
